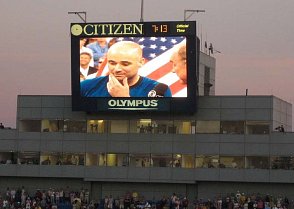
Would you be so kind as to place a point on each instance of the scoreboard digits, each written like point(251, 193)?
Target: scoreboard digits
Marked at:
point(170, 28)
point(162, 28)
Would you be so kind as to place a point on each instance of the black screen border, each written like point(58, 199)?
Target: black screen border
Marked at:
point(165, 105)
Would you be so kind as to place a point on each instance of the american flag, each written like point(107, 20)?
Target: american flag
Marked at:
point(157, 52)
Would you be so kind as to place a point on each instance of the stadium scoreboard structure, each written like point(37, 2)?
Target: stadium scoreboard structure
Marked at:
point(159, 40)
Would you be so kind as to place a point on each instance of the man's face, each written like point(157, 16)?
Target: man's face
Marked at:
point(179, 67)
point(124, 62)
point(85, 59)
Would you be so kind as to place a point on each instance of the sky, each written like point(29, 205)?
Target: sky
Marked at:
point(254, 38)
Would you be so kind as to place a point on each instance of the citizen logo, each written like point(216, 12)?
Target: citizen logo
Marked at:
point(107, 29)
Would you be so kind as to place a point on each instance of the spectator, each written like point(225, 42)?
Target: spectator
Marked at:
point(99, 49)
point(185, 203)
point(280, 128)
point(85, 49)
point(86, 71)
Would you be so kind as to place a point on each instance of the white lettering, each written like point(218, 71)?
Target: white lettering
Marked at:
point(133, 103)
point(139, 102)
point(154, 103)
point(112, 103)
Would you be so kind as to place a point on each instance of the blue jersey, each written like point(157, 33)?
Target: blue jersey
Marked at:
point(97, 87)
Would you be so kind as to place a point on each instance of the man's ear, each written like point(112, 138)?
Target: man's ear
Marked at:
point(142, 62)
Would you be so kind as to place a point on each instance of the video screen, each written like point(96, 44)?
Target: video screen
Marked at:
point(133, 67)
point(149, 66)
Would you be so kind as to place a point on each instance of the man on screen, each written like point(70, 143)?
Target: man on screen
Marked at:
point(124, 60)
point(86, 71)
point(179, 60)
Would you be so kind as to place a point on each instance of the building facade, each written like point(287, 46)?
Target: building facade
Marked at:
point(229, 144)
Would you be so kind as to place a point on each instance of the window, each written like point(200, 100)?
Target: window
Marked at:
point(102, 159)
point(231, 162)
point(96, 126)
point(140, 160)
point(30, 125)
point(161, 160)
point(184, 127)
point(208, 161)
point(119, 126)
point(183, 161)
point(257, 162)
point(164, 127)
point(117, 160)
point(51, 158)
point(28, 158)
point(8, 157)
point(282, 162)
point(257, 127)
point(188, 161)
point(73, 159)
point(177, 161)
point(207, 83)
point(208, 127)
point(141, 126)
point(52, 125)
point(135, 126)
point(74, 126)
point(92, 159)
point(232, 127)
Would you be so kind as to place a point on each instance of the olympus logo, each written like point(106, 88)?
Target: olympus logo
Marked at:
point(132, 104)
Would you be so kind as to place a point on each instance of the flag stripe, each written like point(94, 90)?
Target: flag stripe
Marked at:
point(157, 52)
point(177, 86)
point(155, 75)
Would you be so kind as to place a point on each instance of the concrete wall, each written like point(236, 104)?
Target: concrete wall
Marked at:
point(153, 181)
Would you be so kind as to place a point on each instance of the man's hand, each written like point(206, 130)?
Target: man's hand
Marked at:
point(116, 89)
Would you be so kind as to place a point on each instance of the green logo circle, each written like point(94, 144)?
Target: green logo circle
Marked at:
point(76, 30)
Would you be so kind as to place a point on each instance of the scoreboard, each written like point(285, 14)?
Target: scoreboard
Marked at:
point(159, 42)
point(133, 29)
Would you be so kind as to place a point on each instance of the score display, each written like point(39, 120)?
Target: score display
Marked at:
point(134, 29)
point(159, 42)
point(160, 28)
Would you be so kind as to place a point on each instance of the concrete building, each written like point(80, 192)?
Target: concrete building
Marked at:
point(229, 144)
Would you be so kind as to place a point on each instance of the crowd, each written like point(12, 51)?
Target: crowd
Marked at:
point(242, 201)
point(44, 199)
point(68, 199)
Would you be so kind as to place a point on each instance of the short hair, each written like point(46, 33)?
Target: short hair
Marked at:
point(130, 44)
point(182, 52)
point(86, 53)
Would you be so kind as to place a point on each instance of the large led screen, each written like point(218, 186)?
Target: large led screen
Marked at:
point(146, 66)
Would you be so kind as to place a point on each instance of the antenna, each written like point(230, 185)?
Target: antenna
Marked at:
point(191, 12)
point(187, 14)
point(201, 37)
point(84, 17)
point(142, 9)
